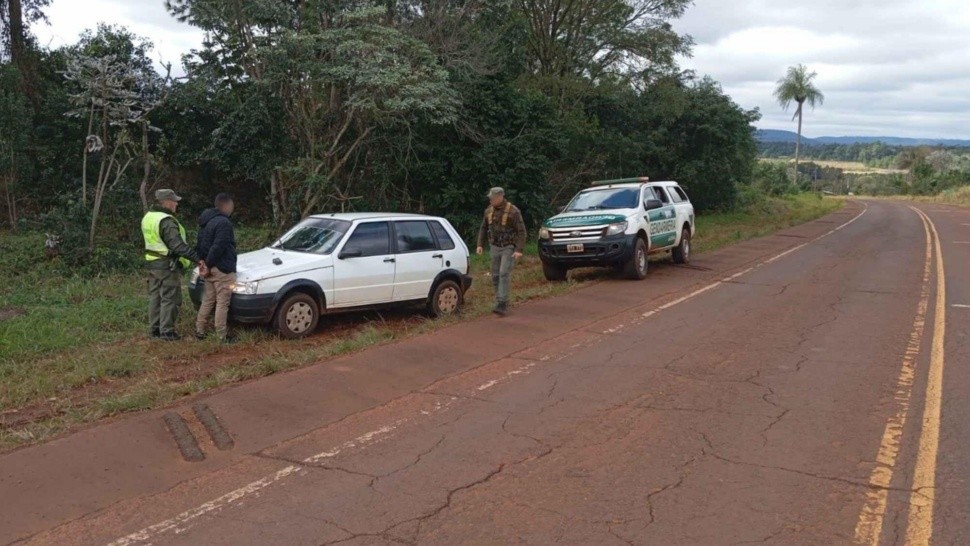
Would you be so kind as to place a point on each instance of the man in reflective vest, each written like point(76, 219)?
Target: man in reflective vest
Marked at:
point(504, 230)
point(167, 255)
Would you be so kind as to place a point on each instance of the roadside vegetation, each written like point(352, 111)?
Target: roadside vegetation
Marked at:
point(74, 350)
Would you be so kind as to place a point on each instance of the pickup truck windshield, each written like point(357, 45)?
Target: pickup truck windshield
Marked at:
point(314, 235)
point(604, 199)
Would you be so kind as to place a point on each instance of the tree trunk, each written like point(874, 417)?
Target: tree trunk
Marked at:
point(143, 188)
point(798, 143)
point(84, 162)
point(19, 53)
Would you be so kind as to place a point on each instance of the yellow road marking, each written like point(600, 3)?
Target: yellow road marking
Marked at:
point(869, 527)
point(919, 528)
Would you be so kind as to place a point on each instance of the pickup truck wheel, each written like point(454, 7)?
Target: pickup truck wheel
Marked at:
point(682, 252)
point(636, 268)
point(554, 273)
point(446, 299)
point(297, 316)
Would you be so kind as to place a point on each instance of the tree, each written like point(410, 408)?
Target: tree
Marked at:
point(798, 86)
point(575, 44)
point(16, 16)
point(15, 129)
point(114, 97)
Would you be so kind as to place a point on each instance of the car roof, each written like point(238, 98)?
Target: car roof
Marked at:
point(633, 185)
point(357, 216)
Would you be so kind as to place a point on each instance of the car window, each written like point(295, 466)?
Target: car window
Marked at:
point(314, 235)
point(674, 196)
point(371, 239)
point(414, 236)
point(604, 199)
point(680, 192)
point(661, 194)
point(444, 239)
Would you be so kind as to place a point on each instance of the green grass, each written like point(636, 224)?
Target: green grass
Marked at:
point(79, 352)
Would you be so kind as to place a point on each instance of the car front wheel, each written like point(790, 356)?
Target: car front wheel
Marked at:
point(446, 299)
point(682, 252)
point(636, 268)
point(297, 316)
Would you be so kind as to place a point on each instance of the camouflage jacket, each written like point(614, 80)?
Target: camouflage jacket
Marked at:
point(503, 226)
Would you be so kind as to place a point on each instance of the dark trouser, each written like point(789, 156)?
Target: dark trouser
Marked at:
point(502, 263)
point(164, 299)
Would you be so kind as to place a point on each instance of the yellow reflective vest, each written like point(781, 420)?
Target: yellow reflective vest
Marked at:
point(151, 229)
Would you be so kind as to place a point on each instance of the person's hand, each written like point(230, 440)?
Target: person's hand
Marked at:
point(203, 269)
point(479, 251)
point(516, 255)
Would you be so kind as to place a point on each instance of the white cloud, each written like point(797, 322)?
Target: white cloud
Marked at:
point(146, 18)
point(887, 67)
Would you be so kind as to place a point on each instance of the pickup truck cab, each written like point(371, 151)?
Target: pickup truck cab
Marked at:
point(618, 223)
point(343, 262)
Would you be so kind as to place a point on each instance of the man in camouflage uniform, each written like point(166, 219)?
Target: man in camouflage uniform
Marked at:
point(167, 255)
point(505, 232)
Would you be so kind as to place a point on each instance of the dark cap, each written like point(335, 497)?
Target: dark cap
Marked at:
point(166, 195)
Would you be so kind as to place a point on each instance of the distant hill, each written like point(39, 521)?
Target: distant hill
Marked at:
point(774, 135)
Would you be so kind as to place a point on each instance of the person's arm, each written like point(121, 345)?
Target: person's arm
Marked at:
point(482, 233)
point(220, 243)
point(173, 240)
point(520, 232)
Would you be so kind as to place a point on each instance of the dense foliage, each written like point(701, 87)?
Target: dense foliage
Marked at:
point(306, 106)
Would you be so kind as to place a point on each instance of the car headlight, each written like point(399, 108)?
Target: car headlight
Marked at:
point(544, 233)
point(616, 229)
point(245, 287)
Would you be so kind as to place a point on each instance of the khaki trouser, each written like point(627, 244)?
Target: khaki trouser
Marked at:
point(218, 293)
point(502, 264)
point(164, 299)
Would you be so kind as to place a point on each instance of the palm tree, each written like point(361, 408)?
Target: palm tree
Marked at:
point(797, 86)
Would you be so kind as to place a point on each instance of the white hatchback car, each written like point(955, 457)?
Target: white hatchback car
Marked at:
point(340, 262)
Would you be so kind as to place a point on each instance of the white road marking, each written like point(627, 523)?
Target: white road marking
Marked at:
point(960, 306)
point(181, 522)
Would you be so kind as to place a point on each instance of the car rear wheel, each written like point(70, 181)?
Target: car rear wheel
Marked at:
point(297, 316)
point(554, 273)
point(636, 268)
point(682, 252)
point(446, 299)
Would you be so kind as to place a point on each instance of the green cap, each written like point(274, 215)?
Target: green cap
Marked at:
point(495, 191)
point(166, 195)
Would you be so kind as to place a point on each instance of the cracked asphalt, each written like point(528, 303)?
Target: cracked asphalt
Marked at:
point(739, 402)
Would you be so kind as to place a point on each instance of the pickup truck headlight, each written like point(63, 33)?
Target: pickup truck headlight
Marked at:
point(616, 229)
point(245, 287)
point(544, 233)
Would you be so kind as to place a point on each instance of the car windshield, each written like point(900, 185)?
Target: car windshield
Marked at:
point(314, 235)
point(605, 199)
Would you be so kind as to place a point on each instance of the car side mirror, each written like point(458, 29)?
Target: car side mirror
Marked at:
point(651, 204)
point(351, 253)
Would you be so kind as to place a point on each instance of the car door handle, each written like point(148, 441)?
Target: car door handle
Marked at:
point(437, 255)
point(389, 260)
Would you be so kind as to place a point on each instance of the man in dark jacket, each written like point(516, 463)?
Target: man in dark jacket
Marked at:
point(217, 246)
point(167, 255)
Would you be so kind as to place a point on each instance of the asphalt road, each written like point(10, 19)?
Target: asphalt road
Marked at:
point(807, 388)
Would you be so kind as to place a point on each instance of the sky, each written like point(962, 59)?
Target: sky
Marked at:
point(887, 67)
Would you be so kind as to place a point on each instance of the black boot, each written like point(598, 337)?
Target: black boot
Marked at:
point(501, 309)
point(170, 336)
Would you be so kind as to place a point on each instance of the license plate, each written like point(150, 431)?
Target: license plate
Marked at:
point(574, 248)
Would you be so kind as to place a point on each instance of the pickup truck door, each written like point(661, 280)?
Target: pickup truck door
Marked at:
point(663, 221)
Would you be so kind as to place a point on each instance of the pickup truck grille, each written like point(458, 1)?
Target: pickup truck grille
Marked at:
point(567, 235)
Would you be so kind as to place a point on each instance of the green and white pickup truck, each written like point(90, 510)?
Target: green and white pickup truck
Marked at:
point(618, 223)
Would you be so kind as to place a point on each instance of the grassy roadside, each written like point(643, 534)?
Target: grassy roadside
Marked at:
point(73, 350)
point(956, 196)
